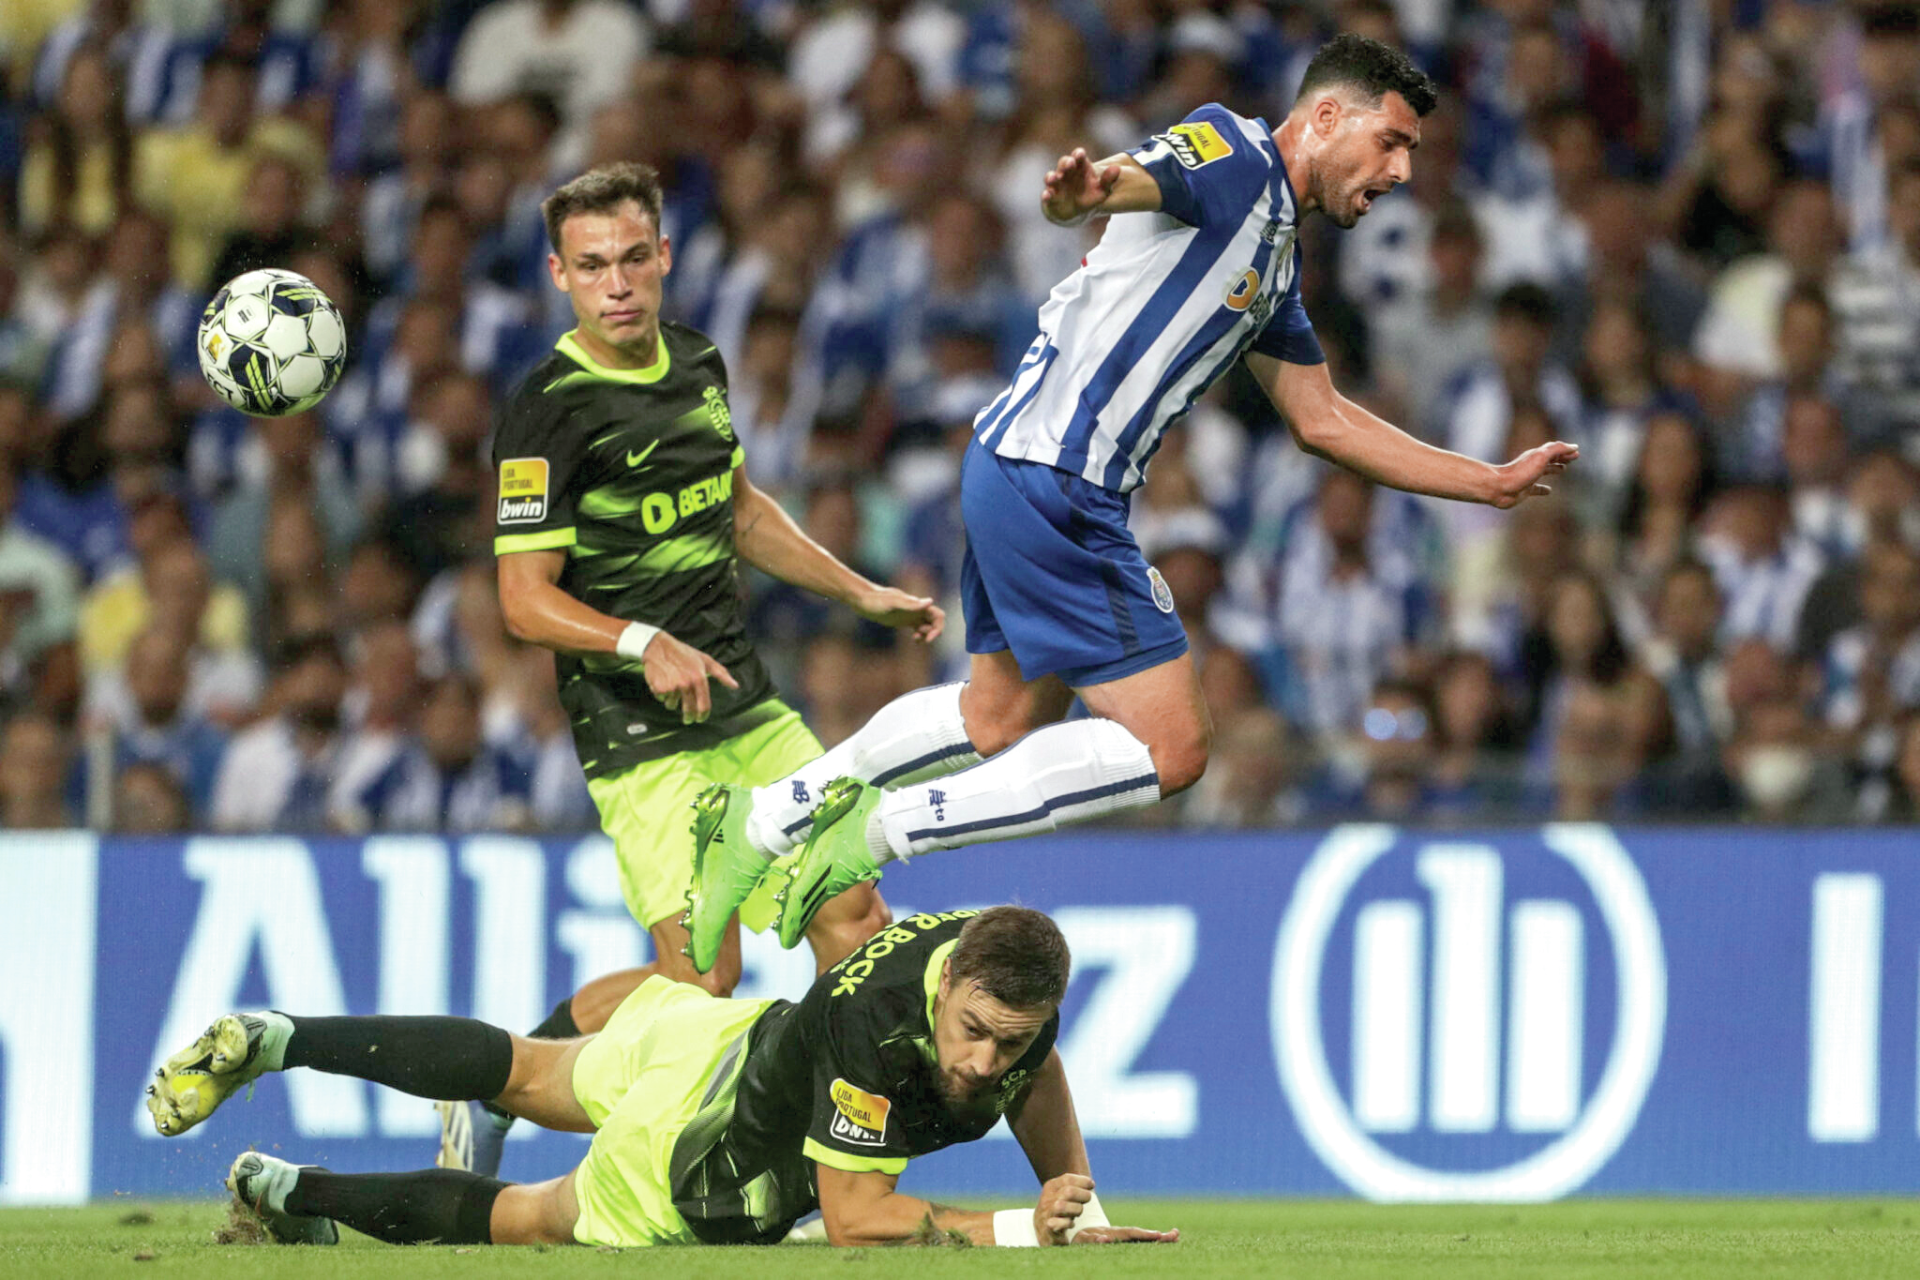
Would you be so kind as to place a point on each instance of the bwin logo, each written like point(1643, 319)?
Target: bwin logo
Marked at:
point(1520, 1129)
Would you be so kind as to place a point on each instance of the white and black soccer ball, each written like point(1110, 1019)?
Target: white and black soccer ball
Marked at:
point(271, 343)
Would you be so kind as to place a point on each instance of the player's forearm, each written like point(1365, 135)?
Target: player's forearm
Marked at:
point(767, 538)
point(901, 1219)
point(545, 615)
point(1358, 440)
point(1046, 1127)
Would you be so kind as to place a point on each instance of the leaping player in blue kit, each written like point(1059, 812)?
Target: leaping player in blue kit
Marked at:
point(1198, 267)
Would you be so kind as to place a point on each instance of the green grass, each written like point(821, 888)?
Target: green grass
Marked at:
point(1669, 1239)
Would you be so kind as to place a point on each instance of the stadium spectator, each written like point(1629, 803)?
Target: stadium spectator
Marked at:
point(1593, 772)
point(135, 288)
point(291, 467)
point(1764, 567)
point(79, 171)
point(148, 800)
point(1445, 323)
point(1468, 780)
point(1872, 671)
point(272, 226)
point(1782, 774)
point(1340, 603)
point(1478, 408)
point(34, 756)
point(196, 175)
point(147, 713)
point(1739, 335)
point(278, 774)
point(1250, 782)
point(1754, 444)
point(444, 778)
point(1673, 480)
point(1897, 800)
point(1876, 302)
point(39, 605)
point(580, 52)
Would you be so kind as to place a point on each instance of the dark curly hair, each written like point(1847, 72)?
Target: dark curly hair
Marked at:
point(1370, 66)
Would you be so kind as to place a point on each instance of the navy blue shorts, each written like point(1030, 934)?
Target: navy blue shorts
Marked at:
point(1053, 574)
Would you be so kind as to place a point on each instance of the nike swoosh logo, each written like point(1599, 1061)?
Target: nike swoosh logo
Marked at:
point(635, 459)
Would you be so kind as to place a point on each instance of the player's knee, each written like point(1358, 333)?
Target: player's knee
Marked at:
point(1180, 759)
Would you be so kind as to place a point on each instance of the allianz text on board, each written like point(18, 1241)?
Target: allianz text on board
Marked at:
point(1401, 1015)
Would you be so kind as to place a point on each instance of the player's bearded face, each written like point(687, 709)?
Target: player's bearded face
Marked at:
point(978, 1039)
point(612, 267)
point(1368, 154)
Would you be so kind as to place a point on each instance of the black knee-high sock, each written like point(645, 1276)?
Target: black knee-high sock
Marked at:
point(447, 1205)
point(559, 1025)
point(445, 1058)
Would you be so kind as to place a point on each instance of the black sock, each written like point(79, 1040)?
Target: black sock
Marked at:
point(450, 1206)
point(559, 1024)
point(446, 1058)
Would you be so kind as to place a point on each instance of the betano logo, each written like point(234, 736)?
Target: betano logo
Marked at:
point(1446, 1015)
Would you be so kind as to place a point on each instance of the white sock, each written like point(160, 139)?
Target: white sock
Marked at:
point(918, 735)
point(1062, 774)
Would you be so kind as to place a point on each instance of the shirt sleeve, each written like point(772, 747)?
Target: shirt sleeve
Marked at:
point(1207, 169)
point(538, 458)
point(1289, 334)
point(855, 1123)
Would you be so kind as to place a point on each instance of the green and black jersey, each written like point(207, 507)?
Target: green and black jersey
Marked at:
point(847, 1078)
point(630, 471)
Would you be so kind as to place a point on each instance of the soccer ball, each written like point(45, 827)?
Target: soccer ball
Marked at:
point(271, 343)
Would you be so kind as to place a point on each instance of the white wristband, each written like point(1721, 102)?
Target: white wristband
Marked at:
point(1014, 1227)
point(1091, 1216)
point(634, 640)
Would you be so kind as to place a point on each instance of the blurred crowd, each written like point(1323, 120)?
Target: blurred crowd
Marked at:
point(1683, 233)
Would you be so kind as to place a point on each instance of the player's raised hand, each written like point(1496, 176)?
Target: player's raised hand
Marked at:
point(891, 607)
point(678, 674)
point(1076, 186)
point(1124, 1235)
point(1062, 1200)
point(1524, 477)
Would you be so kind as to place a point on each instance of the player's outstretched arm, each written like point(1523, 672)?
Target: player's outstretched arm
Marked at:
point(1328, 425)
point(538, 611)
point(1077, 187)
point(767, 538)
point(1043, 1120)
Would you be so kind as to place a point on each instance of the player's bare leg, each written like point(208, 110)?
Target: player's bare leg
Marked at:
point(1001, 706)
point(1164, 708)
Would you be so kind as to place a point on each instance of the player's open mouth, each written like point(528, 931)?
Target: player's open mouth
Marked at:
point(1367, 198)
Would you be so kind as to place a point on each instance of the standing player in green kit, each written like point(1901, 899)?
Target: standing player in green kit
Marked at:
point(624, 510)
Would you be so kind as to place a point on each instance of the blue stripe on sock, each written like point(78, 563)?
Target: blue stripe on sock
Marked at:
point(1046, 807)
point(931, 758)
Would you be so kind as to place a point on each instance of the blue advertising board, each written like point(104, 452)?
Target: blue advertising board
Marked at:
point(1396, 1014)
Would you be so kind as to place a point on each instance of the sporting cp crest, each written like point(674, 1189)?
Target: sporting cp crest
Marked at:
point(718, 413)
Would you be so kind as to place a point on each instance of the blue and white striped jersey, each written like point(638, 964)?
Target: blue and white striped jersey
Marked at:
point(1164, 304)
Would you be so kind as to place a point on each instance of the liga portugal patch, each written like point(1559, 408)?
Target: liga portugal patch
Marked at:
point(523, 490)
point(859, 1117)
point(1197, 144)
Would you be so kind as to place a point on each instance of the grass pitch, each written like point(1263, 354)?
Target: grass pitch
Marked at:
point(1672, 1240)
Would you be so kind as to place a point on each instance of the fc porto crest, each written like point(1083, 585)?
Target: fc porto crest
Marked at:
point(1162, 593)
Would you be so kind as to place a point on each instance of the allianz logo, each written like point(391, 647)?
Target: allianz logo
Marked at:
point(1467, 1013)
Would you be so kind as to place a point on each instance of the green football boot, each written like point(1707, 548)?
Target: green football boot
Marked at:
point(834, 859)
point(260, 1185)
point(236, 1050)
point(725, 869)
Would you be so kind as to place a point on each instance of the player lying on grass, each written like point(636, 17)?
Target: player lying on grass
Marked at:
point(714, 1121)
point(1198, 268)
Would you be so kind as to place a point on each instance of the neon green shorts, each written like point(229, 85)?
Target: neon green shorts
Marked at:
point(641, 1080)
point(648, 809)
